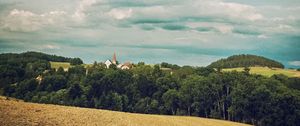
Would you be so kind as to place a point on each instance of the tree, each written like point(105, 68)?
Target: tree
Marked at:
point(76, 61)
point(53, 83)
point(145, 86)
point(293, 83)
point(196, 91)
point(113, 66)
point(247, 70)
point(204, 71)
point(156, 72)
point(58, 97)
point(25, 86)
point(75, 91)
point(171, 100)
point(79, 70)
point(142, 106)
point(60, 71)
point(141, 63)
point(184, 72)
point(114, 101)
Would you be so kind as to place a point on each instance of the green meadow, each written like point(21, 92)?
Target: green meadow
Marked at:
point(56, 65)
point(266, 71)
point(66, 65)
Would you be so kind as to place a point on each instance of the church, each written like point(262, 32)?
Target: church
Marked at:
point(124, 66)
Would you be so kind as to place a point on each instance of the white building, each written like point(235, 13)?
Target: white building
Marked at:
point(126, 65)
point(108, 63)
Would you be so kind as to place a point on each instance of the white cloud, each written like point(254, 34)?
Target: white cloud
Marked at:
point(234, 10)
point(83, 5)
point(294, 63)
point(243, 11)
point(26, 21)
point(262, 36)
point(21, 13)
point(224, 29)
point(49, 46)
point(120, 14)
point(284, 26)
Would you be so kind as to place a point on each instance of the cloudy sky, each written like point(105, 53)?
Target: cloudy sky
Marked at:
point(185, 32)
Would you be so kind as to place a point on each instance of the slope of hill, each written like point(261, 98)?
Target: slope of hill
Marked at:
point(265, 71)
point(33, 56)
point(15, 67)
point(14, 112)
point(245, 61)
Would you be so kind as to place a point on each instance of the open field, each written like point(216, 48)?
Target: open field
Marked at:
point(65, 65)
point(13, 112)
point(265, 71)
point(56, 65)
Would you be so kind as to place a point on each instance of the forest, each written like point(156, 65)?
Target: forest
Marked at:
point(245, 61)
point(182, 90)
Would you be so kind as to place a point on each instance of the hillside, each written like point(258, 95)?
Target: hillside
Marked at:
point(186, 90)
point(266, 71)
point(33, 56)
point(245, 61)
point(15, 67)
point(14, 112)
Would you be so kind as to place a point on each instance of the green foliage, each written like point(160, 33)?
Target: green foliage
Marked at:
point(76, 61)
point(141, 63)
point(75, 91)
point(171, 100)
point(53, 83)
point(245, 61)
point(167, 65)
point(17, 67)
point(204, 71)
point(25, 87)
point(196, 91)
point(247, 70)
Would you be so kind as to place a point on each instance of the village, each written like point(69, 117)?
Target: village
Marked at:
point(123, 66)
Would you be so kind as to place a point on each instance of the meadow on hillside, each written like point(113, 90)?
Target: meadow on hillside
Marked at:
point(266, 71)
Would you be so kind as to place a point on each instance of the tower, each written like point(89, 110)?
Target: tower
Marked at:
point(114, 59)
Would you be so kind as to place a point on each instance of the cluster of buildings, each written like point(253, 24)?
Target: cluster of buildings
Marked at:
point(123, 66)
point(108, 63)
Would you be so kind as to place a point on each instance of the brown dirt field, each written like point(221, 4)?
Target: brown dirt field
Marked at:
point(18, 113)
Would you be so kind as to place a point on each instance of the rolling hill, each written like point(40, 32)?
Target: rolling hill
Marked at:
point(16, 112)
point(246, 60)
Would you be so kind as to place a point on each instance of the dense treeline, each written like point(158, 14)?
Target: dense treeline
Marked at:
point(195, 91)
point(17, 67)
point(245, 61)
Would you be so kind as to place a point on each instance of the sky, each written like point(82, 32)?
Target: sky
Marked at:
point(183, 32)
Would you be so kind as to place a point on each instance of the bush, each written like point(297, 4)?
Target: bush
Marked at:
point(76, 61)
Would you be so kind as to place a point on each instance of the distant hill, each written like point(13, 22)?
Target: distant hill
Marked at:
point(15, 112)
point(245, 61)
point(33, 56)
point(15, 67)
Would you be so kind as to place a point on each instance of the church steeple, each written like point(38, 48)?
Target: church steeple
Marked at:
point(114, 60)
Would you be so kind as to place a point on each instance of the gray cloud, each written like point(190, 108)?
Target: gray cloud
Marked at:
point(189, 29)
point(246, 31)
